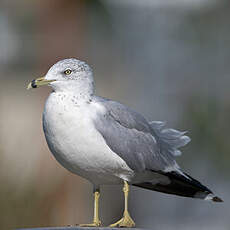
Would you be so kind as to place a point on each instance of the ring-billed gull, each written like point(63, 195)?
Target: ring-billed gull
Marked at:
point(108, 143)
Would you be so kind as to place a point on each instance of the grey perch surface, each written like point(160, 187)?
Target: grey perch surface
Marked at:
point(79, 228)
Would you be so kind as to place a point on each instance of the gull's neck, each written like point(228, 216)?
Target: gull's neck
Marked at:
point(79, 91)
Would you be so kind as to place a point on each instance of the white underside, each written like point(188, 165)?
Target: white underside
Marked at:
point(79, 147)
point(76, 144)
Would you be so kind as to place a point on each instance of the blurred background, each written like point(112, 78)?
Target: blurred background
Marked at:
point(167, 59)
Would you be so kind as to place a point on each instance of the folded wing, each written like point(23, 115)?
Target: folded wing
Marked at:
point(143, 145)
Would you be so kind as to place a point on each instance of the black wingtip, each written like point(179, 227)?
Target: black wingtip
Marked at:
point(217, 199)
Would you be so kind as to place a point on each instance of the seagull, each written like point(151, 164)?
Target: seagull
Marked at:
point(108, 143)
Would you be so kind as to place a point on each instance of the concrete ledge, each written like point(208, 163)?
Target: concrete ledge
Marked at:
point(80, 228)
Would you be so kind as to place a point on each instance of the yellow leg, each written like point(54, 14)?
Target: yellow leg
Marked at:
point(96, 221)
point(126, 220)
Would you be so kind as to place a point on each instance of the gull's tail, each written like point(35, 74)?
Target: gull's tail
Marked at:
point(180, 184)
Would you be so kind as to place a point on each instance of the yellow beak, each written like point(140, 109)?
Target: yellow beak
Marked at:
point(39, 82)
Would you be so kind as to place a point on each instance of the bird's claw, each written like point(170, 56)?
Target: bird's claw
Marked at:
point(94, 224)
point(125, 221)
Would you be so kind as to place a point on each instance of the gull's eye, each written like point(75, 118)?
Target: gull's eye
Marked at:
point(67, 71)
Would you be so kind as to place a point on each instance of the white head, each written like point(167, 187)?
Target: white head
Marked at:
point(70, 75)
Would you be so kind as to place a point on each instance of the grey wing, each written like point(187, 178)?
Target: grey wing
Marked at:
point(129, 135)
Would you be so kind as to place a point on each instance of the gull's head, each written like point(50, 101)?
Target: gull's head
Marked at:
point(67, 75)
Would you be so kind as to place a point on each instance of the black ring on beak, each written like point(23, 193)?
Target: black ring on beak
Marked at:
point(33, 84)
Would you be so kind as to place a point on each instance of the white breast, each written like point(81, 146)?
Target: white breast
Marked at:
point(76, 144)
